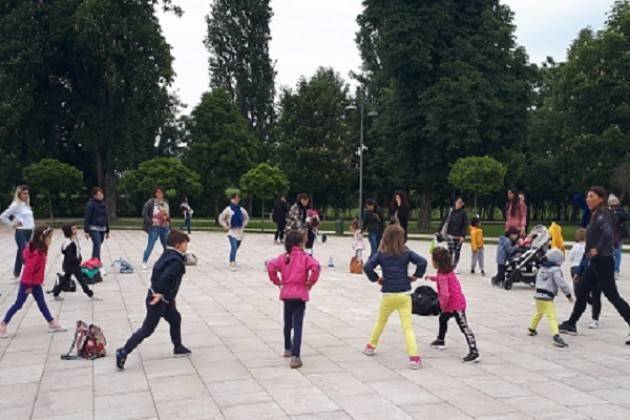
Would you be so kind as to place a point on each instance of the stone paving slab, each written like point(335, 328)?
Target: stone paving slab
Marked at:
point(232, 322)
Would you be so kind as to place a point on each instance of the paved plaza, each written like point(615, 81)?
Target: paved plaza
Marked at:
point(232, 323)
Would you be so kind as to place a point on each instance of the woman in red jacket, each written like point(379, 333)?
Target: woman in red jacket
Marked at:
point(32, 279)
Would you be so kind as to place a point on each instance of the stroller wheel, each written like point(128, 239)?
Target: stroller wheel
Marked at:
point(507, 284)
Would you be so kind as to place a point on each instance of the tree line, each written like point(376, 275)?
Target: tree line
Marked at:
point(87, 84)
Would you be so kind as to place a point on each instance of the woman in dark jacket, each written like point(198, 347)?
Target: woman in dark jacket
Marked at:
point(374, 223)
point(399, 211)
point(600, 272)
point(297, 219)
point(279, 216)
point(96, 222)
point(455, 226)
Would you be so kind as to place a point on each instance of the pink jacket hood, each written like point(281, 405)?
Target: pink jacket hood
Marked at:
point(298, 273)
point(449, 292)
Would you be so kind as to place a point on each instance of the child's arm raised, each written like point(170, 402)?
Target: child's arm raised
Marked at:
point(369, 267)
point(273, 268)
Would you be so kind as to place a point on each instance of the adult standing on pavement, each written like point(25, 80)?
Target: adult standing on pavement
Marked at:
point(374, 223)
point(156, 222)
point(455, 226)
point(399, 211)
point(621, 230)
point(19, 215)
point(279, 217)
point(297, 219)
point(187, 212)
point(601, 265)
point(234, 219)
point(515, 212)
point(96, 221)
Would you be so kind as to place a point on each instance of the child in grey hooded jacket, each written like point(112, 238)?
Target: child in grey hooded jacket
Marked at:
point(548, 280)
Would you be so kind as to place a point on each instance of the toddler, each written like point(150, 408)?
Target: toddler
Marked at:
point(452, 303)
point(298, 271)
point(357, 240)
point(476, 246)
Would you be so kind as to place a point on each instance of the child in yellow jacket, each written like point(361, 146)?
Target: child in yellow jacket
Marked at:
point(476, 245)
point(555, 230)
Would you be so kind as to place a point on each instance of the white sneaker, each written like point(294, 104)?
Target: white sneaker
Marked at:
point(594, 324)
point(103, 272)
point(233, 266)
point(3, 331)
point(145, 267)
point(54, 326)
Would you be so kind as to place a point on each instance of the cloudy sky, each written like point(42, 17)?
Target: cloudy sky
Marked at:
point(311, 33)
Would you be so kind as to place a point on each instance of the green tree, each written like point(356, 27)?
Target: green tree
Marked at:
point(264, 182)
point(450, 82)
point(238, 41)
point(220, 144)
point(314, 144)
point(169, 173)
point(53, 178)
point(480, 176)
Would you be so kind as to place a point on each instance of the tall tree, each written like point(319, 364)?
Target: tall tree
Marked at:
point(238, 42)
point(315, 144)
point(91, 80)
point(220, 144)
point(451, 81)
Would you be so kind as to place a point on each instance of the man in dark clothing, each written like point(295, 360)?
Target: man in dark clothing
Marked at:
point(600, 271)
point(373, 222)
point(279, 216)
point(455, 226)
point(160, 302)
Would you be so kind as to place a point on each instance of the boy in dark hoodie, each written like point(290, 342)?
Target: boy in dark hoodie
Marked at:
point(165, 281)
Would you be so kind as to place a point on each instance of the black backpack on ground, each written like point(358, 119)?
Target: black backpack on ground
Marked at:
point(425, 302)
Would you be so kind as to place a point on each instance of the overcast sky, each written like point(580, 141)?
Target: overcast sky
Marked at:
point(311, 33)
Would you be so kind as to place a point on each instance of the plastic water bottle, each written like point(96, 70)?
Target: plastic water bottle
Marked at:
point(331, 264)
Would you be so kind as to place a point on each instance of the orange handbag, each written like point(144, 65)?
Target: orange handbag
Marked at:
point(356, 265)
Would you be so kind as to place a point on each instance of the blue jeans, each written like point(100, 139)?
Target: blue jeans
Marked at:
point(235, 244)
point(155, 232)
point(187, 223)
point(97, 240)
point(22, 236)
point(375, 240)
point(617, 255)
point(38, 295)
point(293, 320)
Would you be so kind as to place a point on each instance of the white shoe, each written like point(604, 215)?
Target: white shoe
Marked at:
point(3, 331)
point(54, 326)
point(594, 324)
point(96, 298)
point(103, 272)
point(145, 267)
point(233, 266)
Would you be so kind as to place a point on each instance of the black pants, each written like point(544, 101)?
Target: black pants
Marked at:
point(500, 273)
point(65, 280)
point(454, 249)
point(310, 238)
point(460, 317)
point(293, 320)
point(280, 227)
point(600, 274)
point(168, 311)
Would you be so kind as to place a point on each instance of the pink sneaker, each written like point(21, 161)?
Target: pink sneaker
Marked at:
point(54, 326)
point(415, 362)
point(369, 350)
point(3, 331)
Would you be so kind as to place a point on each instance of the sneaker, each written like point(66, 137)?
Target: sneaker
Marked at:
point(559, 342)
point(233, 266)
point(295, 363)
point(472, 271)
point(438, 344)
point(145, 267)
point(369, 350)
point(287, 353)
point(3, 331)
point(54, 326)
point(58, 298)
point(567, 328)
point(96, 298)
point(121, 358)
point(181, 351)
point(415, 362)
point(483, 273)
point(531, 332)
point(472, 357)
point(594, 324)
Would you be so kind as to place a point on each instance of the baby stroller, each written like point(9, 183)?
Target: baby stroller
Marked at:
point(523, 264)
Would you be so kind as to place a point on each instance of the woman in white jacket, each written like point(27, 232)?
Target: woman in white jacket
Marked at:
point(234, 219)
point(19, 215)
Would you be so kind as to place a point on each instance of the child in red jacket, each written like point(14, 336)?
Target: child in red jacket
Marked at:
point(452, 303)
point(299, 272)
point(32, 279)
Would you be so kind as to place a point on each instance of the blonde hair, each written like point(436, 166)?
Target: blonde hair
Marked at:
point(19, 190)
point(580, 235)
point(393, 242)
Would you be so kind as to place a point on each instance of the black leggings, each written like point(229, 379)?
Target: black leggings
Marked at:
point(460, 317)
point(168, 311)
point(280, 227)
point(65, 280)
point(599, 278)
point(293, 320)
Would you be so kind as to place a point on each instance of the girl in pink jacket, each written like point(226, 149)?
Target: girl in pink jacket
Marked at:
point(298, 273)
point(452, 303)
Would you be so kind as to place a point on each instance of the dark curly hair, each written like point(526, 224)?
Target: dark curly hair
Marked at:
point(442, 260)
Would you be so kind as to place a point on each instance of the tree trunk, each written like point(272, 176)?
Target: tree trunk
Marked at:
point(106, 179)
point(262, 214)
point(424, 209)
